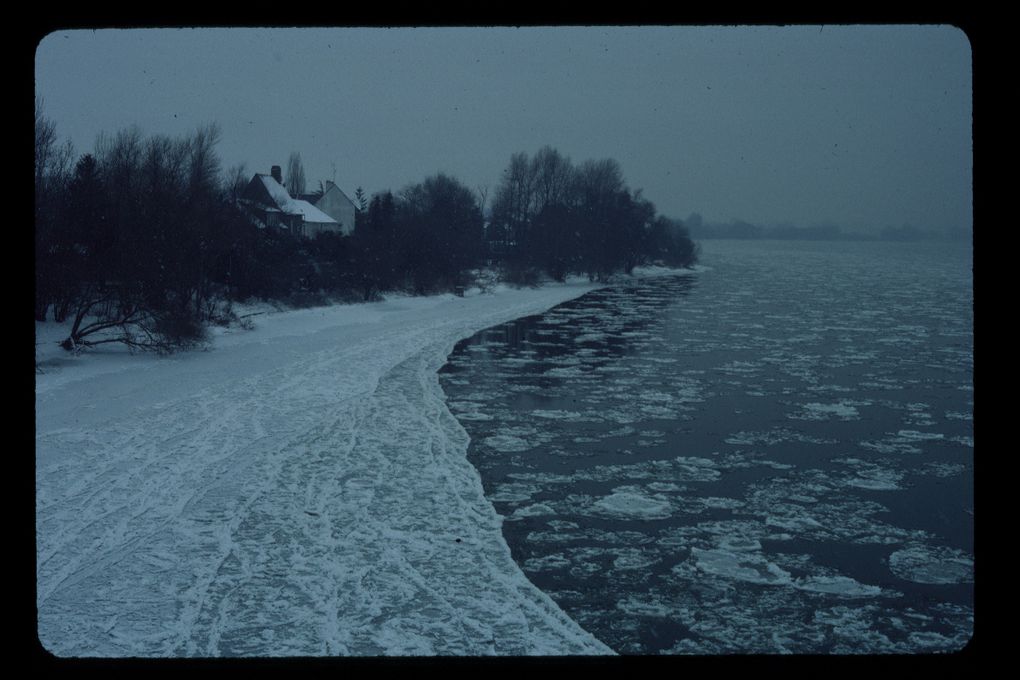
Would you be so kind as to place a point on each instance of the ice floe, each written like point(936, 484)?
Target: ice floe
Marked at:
point(629, 503)
point(740, 565)
point(843, 410)
point(932, 564)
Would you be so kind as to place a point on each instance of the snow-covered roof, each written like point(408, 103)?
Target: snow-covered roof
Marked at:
point(276, 191)
point(293, 206)
point(309, 212)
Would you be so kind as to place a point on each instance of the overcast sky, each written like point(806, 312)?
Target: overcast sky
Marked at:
point(860, 126)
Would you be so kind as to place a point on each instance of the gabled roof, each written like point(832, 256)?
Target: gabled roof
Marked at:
point(309, 212)
point(331, 186)
point(276, 191)
point(283, 202)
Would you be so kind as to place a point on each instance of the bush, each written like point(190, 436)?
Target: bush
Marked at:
point(175, 330)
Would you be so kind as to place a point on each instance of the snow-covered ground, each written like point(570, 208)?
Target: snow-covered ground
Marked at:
point(296, 489)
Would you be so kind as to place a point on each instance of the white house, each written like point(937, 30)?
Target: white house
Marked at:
point(335, 203)
point(269, 204)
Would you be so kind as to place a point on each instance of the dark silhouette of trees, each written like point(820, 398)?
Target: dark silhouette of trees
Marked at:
point(556, 241)
point(141, 241)
point(560, 218)
point(512, 205)
point(442, 232)
point(144, 227)
point(52, 174)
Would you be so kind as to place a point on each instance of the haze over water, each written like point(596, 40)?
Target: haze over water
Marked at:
point(772, 454)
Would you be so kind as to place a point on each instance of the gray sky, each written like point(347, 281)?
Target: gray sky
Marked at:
point(861, 126)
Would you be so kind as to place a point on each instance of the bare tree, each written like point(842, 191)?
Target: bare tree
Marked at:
point(203, 162)
point(513, 204)
point(52, 159)
point(553, 175)
point(236, 180)
point(483, 196)
point(295, 175)
point(52, 174)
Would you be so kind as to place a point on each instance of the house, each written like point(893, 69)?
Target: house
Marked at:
point(269, 204)
point(335, 203)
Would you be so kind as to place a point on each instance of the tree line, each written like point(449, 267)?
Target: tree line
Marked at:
point(142, 241)
point(558, 218)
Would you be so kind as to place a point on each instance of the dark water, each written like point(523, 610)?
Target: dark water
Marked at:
point(773, 454)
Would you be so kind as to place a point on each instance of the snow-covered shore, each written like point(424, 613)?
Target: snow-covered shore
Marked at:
point(296, 489)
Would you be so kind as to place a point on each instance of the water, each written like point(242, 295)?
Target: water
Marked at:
point(771, 455)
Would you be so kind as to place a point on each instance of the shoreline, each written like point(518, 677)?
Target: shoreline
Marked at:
point(158, 481)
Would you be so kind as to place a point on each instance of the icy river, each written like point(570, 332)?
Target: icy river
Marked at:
point(771, 455)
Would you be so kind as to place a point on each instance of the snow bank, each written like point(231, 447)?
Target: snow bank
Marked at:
point(297, 489)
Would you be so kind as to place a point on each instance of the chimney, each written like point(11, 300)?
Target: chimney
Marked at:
point(277, 174)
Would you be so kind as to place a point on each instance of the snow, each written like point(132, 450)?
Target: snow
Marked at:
point(293, 206)
point(299, 489)
point(309, 212)
point(276, 191)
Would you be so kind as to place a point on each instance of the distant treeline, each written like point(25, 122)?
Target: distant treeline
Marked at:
point(558, 218)
point(142, 241)
point(738, 229)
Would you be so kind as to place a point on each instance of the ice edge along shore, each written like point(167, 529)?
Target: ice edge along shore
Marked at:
point(301, 489)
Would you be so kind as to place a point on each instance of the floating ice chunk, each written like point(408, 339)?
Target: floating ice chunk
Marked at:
point(535, 510)
point(751, 567)
point(942, 469)
point(633, 606)
point(718, 503)
point(843, 410)
point(843, 586)
point(890, 447)
point(631, 504)
point(931, 639)
point(514, 493)
point(876, 483)
point(739, 544)
point(547, 563)
point(507, 443)
point(557, 414)
point(634, 559)
point(569, 372)
point(653, 411)
point(775, 465)
point(931, 564)
point(915, 436)
point(473, 415)
point(590, 337)
point(871, 476)
point(775, 436)
point(830, 388)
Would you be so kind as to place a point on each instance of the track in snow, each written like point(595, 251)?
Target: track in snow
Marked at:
point(319, 503)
